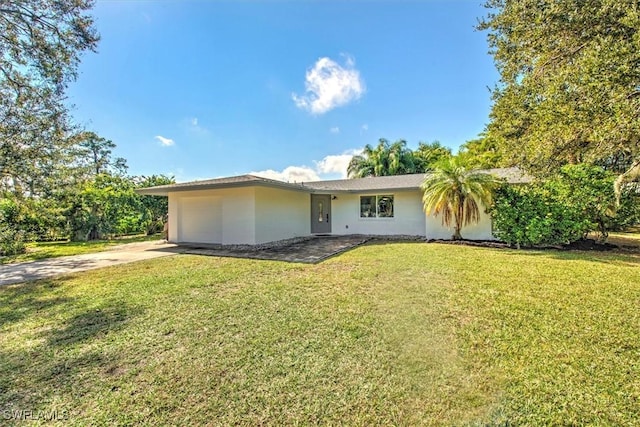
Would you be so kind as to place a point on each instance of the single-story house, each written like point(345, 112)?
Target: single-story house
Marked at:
point(251, 210)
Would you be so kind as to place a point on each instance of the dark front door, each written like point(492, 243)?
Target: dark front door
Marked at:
point(320, 213)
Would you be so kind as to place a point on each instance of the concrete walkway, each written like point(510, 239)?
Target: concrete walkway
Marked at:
point(309, 251)
point(122, 254)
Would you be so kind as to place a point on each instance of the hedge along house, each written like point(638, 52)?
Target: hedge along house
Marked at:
point(250, 210)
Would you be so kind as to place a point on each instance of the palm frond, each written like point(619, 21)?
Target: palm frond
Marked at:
point(456, 193)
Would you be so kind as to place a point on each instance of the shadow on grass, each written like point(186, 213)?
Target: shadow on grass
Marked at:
point(622, 256)
point(52, 343)
point(37, 270)
point(613, 257)
point(90, 324)
point(24, 301)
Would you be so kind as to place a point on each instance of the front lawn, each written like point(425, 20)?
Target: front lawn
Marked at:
point(629, 238)
point(42, 250)
point(386, 334)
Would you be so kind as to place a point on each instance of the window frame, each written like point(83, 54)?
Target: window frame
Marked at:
point(376, 202)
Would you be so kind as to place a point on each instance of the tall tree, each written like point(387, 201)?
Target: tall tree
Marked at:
point(382, 160)
point(94, 155)
point(481, 153)
point(429, 154)
point(99, 188)
point(154, 208)
point(457, 193)
point(569, 86)
point(40, 47)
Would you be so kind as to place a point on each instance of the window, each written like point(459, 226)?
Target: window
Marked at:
point(376, 206)
point(385, 206)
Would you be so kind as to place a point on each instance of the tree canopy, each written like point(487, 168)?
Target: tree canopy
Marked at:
point(381, 160)
point(569, 87)
point(428, 154)
point(396, 159)
point(41, 43)
point(482, 153)
point(94, 155)
point(89, 197)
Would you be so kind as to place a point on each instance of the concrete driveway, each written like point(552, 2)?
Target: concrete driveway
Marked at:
point(46, 268)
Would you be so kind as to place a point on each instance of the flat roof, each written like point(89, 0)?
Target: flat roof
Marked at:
point(226, 182)
point(370, 183)
point(355, 185)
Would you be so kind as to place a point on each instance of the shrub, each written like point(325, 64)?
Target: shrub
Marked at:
point(529, 216)
point(578, 200)
point(12, 242)
point(588, 190)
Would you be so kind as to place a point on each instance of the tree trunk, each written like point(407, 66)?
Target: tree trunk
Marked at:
point(456, 232)
point(633, 173)
point(604, 233)
point(458, 216)
point(93, 233)
point(80, 236)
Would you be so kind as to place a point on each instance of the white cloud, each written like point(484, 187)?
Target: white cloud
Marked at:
point(329, 85)
point(334, 129)
point(329, 165)
point(194, 127)
point(165, 142)
point(336, 164)
point(364, 128)
point(290, 174)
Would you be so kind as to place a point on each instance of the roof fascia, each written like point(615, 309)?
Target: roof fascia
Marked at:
point(164, 191)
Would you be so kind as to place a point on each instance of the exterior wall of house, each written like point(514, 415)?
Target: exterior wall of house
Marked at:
point(238, 216)
point(255, 215)
point(281, 214)
point(408, 219)
point(225, 216)
point(201, 219)
point(173, 217)
point(480, 231)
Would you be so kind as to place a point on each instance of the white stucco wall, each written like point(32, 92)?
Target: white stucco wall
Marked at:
point(200, 219)
point(409, 219)
point(480, 231)
point(224, 216)
point(281, 214)
point(173, 217)
point(255, 215)
point(238, 216)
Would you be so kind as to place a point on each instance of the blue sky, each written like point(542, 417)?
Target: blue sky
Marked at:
point(289, 89)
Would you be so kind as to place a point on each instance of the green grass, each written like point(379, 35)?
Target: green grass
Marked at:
point(42, 250)
point(629, 238)
point(390, 334)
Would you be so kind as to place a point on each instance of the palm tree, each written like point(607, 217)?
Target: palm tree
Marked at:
point(429, 154)
point(456, 192)
point(401, 159)
point(362, 165)
point(385, 159)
